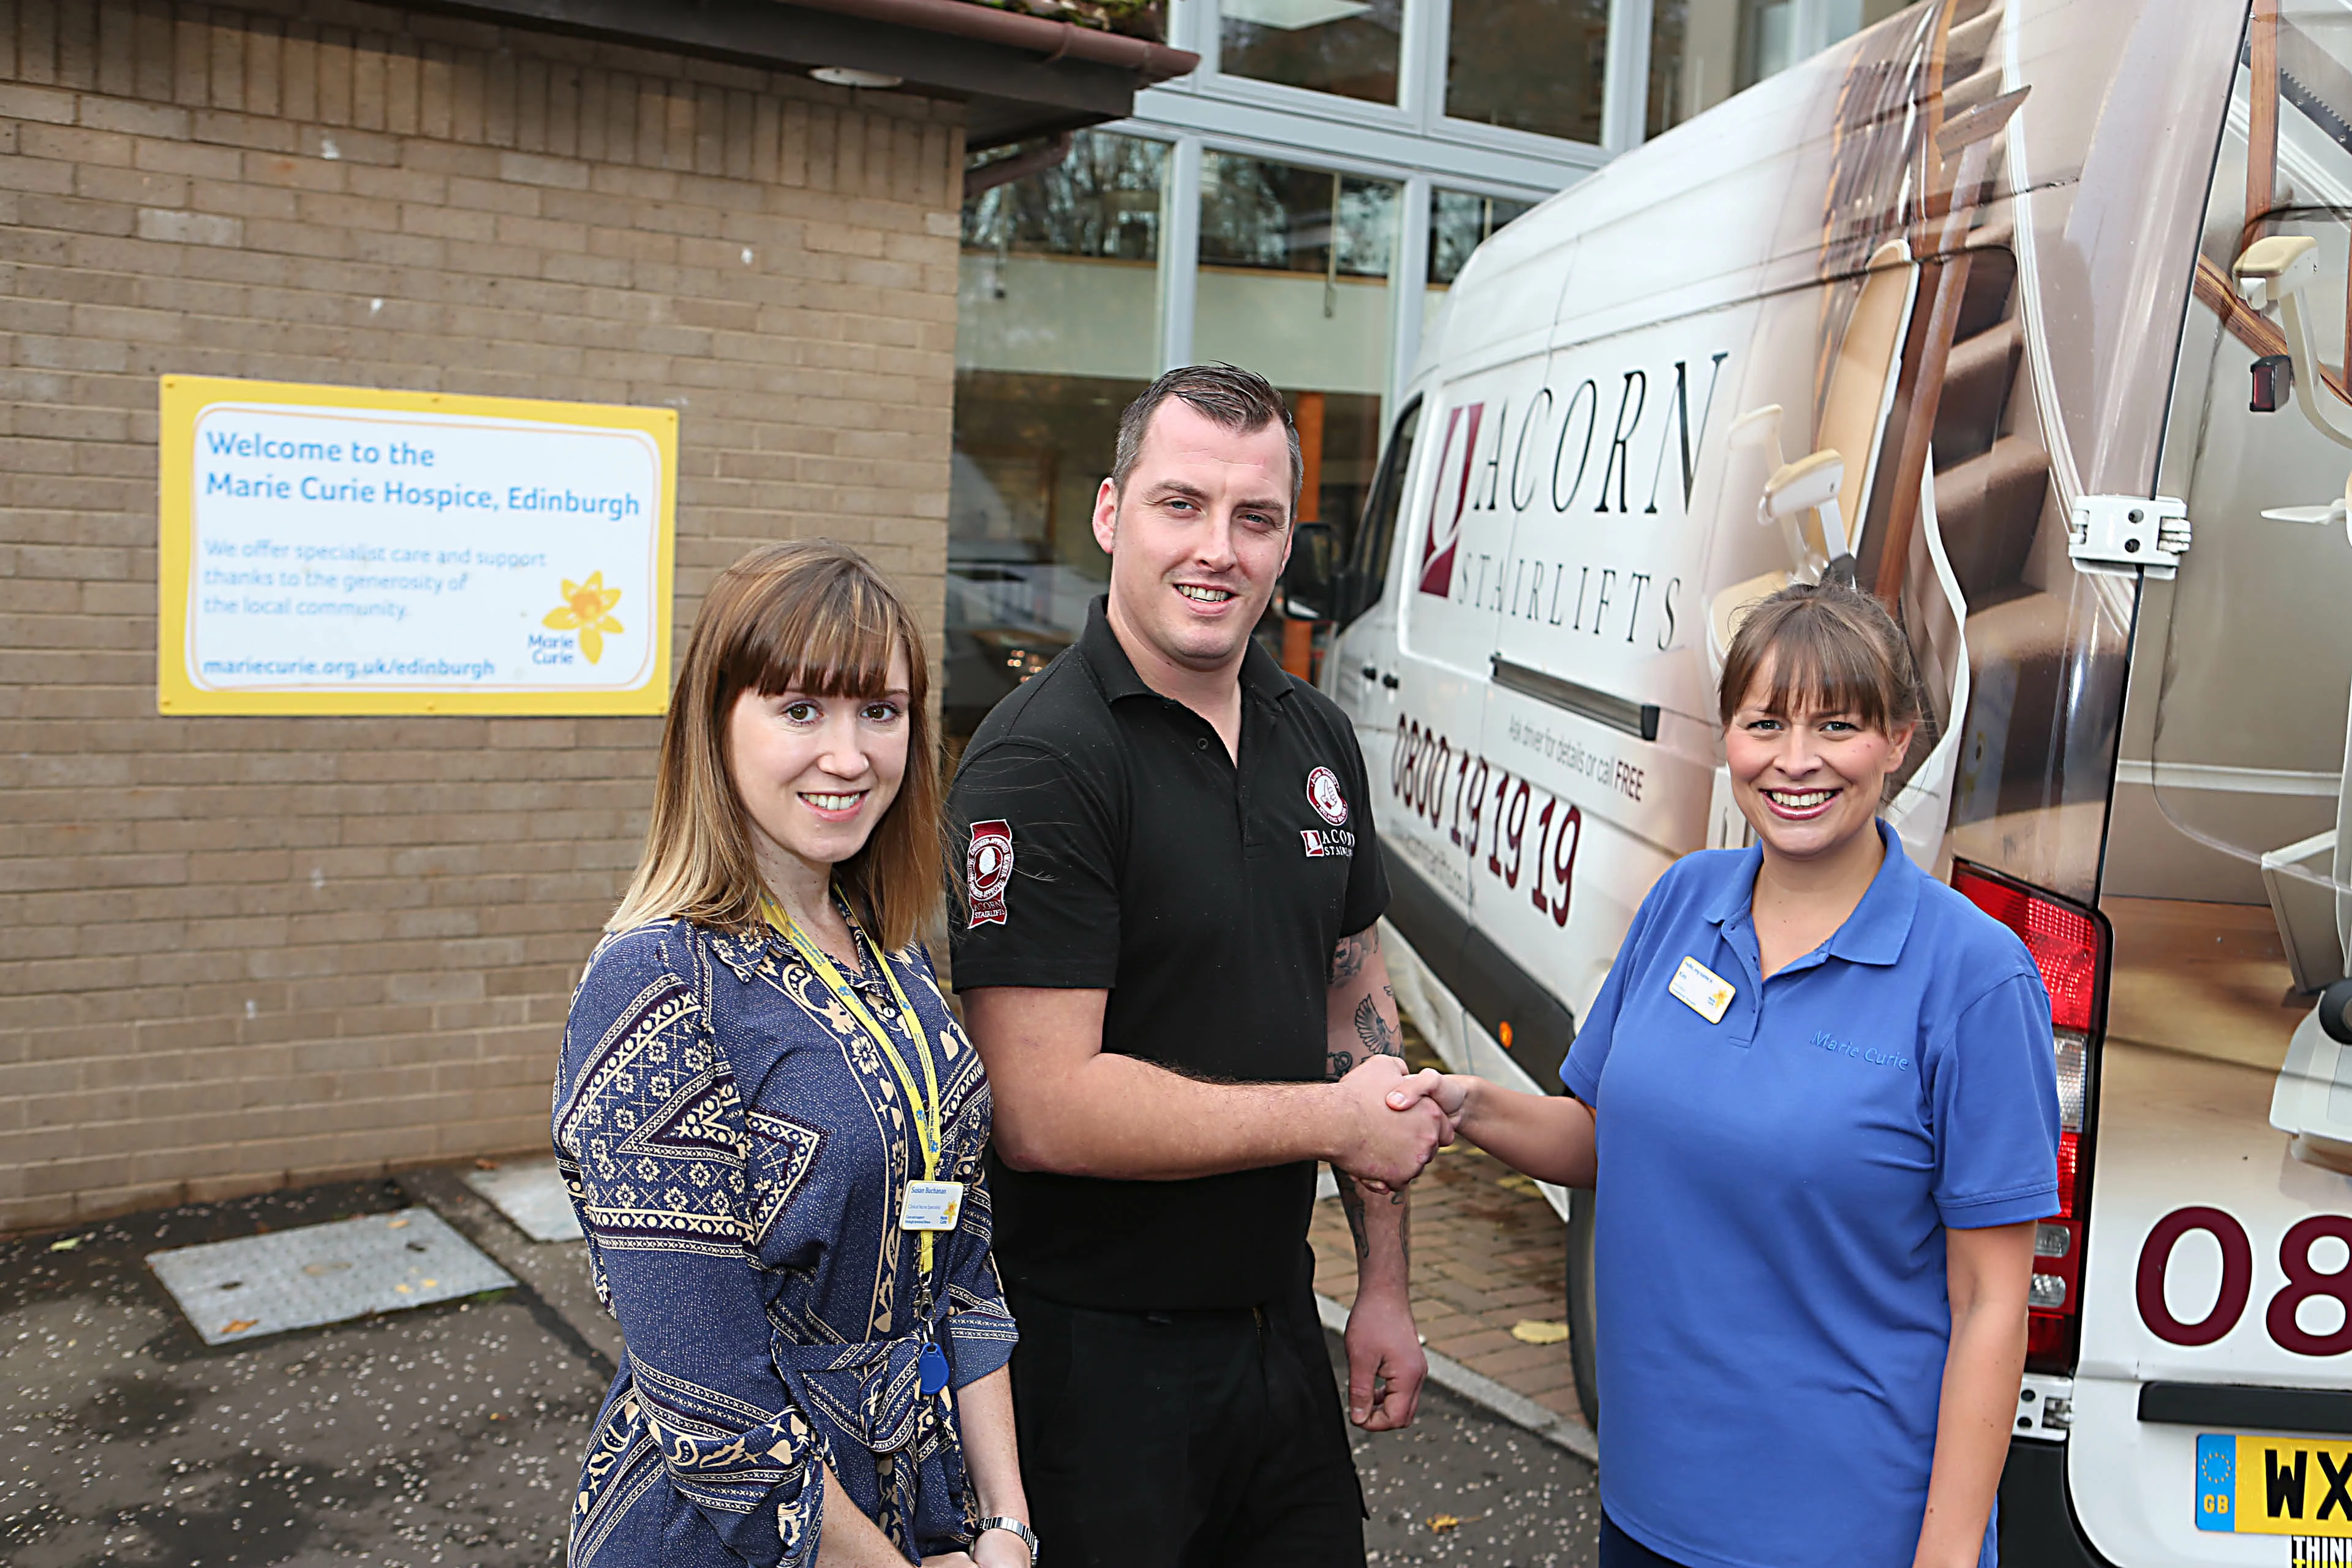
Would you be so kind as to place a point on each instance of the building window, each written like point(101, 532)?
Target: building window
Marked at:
point(1294, 284)
point(1703, 51)
point(1057, 331)
point(1530, 65)
point(1344, 46)
point(1459, 224)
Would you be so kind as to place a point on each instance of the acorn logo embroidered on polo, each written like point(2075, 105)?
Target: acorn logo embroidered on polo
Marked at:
point(988, 870)
point(1323, 842)
point(1323, 794)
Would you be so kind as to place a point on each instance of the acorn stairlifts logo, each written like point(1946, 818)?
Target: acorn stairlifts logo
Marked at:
point(1323, 794)
point(988, 871)
point(1437, 549)
point(1562, 449)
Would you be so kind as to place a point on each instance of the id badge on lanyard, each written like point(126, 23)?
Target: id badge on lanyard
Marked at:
point(931, 1205)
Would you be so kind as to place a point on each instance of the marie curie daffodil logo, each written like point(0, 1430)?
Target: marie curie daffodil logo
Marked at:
point(587, 609)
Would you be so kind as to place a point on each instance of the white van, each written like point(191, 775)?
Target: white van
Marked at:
point(1962, 299)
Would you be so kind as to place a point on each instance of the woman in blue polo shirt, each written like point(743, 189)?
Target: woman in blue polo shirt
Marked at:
point(1816, 1100)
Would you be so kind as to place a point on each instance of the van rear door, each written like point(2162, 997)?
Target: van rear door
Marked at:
point(2213, 1398)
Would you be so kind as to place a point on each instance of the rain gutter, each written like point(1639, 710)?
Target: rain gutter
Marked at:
point(1055, 40)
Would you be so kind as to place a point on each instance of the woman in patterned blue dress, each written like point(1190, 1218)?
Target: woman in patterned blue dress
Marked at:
point(759, 1082)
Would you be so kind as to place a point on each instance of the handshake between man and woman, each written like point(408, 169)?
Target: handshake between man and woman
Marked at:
point(1402, 1119)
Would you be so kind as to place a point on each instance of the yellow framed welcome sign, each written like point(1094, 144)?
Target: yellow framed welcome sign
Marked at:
point(342, 550)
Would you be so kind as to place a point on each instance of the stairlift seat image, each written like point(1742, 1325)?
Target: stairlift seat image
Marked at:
point(2312, 1102)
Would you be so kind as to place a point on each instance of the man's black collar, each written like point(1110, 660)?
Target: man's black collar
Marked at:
point(1115, 672)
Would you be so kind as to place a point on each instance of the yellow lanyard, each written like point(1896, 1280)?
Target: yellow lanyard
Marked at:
point(925, 1111)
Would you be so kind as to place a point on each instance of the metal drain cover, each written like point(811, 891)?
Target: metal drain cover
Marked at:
point(533, 1194)
point(261, 1285)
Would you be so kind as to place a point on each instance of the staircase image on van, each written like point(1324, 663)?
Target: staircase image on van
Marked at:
point(2029, 317)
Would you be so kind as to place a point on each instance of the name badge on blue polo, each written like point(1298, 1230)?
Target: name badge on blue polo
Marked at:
point(1701, 989)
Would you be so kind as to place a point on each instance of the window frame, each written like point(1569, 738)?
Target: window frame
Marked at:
point(1420, 109)
point(1367, 564)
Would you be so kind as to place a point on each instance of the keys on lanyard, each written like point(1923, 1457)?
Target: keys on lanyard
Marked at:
point(933, 1369)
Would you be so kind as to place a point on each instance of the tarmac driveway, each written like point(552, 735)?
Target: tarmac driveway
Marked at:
point(452, 1434)
point(446, 1435)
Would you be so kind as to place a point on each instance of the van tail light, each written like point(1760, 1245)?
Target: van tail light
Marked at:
point(2073, 946)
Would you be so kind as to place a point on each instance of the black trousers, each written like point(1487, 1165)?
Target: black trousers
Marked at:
point(1619, 1550)
point(1184, 1440)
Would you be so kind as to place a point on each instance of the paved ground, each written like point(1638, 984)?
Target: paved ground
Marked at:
point(1459, 1486)
point(451, 1433)
point(448, 1435)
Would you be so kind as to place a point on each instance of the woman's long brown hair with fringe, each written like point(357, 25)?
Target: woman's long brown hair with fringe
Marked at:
point(813, 616)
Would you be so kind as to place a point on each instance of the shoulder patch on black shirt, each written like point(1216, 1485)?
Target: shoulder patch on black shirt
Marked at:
point(988, 870)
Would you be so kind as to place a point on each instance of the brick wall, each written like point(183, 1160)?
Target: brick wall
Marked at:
point(242, 952)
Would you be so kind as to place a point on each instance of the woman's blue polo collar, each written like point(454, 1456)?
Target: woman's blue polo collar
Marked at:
point(1873, 933)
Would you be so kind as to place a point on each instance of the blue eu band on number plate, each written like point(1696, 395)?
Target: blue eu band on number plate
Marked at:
point(2217, 1482)
point(2252, 1485)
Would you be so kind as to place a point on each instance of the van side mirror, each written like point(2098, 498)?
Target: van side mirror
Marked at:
point(1311, 583)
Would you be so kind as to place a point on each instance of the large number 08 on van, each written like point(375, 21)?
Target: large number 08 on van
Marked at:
point(2031, 314)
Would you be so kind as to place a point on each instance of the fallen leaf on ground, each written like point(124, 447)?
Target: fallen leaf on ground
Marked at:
point(1533, 1331)
point(396, 1225)
point(486, 1165)
point(238, 1325)
point(69, 1244)
point(1442, 1522)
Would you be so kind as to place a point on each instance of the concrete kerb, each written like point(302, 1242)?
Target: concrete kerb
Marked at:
point(1488, 1395)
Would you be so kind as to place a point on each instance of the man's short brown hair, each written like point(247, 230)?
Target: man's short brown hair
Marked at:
point(1241, 401)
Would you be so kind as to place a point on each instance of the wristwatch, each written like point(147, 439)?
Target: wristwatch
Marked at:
point(997, 1521)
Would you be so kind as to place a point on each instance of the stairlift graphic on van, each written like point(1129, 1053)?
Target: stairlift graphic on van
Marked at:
point(2310, 882)
point(1996, 310)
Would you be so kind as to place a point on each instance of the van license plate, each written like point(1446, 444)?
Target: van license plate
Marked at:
point(2274, 1486)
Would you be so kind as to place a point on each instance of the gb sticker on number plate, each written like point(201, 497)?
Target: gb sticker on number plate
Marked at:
point(1701, 989)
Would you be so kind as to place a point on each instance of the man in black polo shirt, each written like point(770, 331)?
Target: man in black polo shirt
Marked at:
point(1170, 965)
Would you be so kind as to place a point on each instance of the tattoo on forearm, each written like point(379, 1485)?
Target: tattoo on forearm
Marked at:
point(1338, 1063)
point(1351, 1202)
point(1348, 958)
point(1380, 1036)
